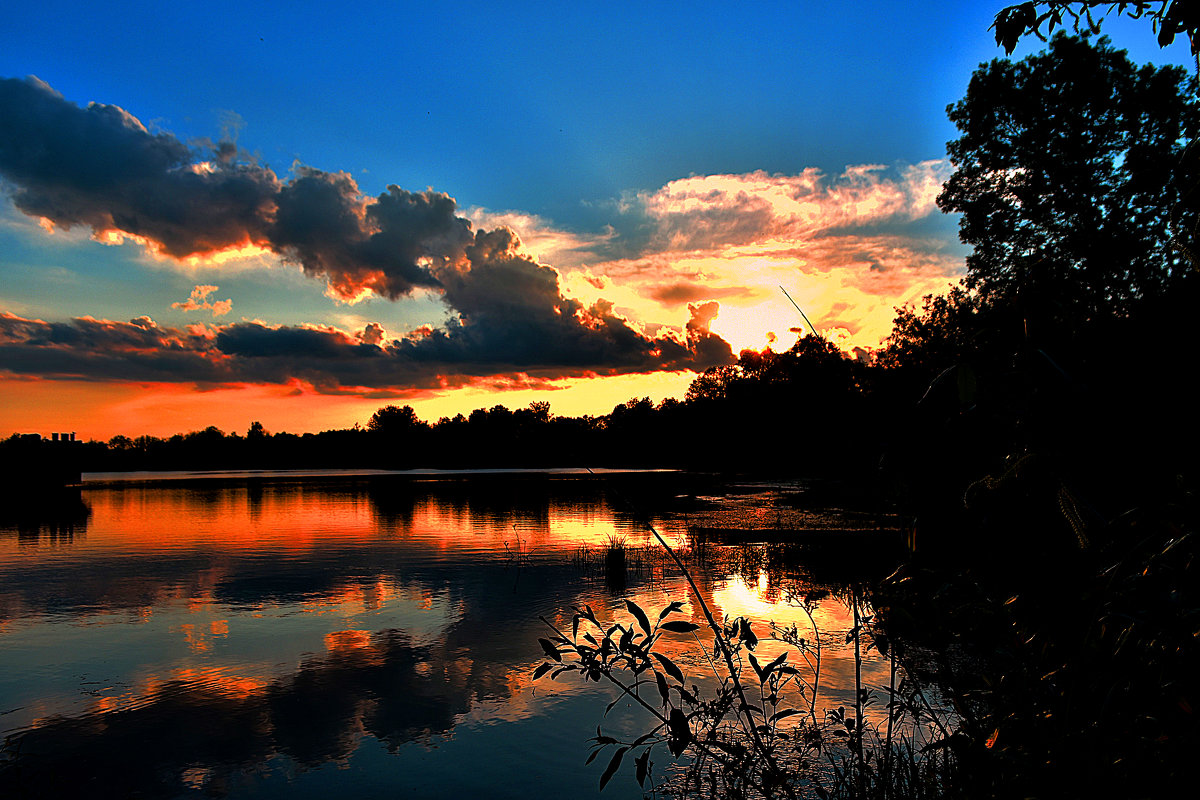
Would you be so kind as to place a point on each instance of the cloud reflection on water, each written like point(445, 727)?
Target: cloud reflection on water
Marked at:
point(228, 633)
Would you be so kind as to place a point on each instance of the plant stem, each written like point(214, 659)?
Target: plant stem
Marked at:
point(887, 753)
point(719, 634)
point(858, 703)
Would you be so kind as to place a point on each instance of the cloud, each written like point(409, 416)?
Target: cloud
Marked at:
point(387, 245)
point(531, 339)
point(373, 333)
point(101, 168)
point(715, 212)
point(92, 349)
point(512, 315)
point(566, 250)
point(867, 239)
point(678, 293)
point(198, 301)
point(853, 237)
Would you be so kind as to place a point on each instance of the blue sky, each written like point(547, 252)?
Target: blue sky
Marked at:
point(541, 107)
point(611, 137)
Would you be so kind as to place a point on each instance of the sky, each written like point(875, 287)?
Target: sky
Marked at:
point(220, 213)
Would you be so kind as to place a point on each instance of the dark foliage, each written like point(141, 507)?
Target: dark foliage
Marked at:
point(1053, 474)
point(1168, 19)
point(1071, 182)
point(722, 424)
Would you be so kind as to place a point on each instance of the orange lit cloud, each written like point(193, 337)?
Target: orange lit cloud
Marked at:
point(540, 239)
point(198, 301)
point(514, 325)
point(530, 306)
point(854, 242)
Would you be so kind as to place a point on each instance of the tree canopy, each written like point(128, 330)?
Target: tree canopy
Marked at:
point(1071, 183)
point(1168, 18)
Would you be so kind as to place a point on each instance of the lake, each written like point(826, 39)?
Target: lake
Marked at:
point(272, 634)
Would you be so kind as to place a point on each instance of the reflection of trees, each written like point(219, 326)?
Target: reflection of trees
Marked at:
point(255, 496)
point(137, 577)
point(210, 730)
point(394, 503)
point(56, 517)
point(498, 498)
point(502, 500)
point(206, 729)
point(215, 728)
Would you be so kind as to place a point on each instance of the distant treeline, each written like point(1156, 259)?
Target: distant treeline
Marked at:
point(809, 410)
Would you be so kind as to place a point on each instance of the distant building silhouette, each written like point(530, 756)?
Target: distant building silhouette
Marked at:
point(30, 462)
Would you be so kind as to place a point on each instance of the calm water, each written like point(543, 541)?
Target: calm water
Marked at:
point(368, 635)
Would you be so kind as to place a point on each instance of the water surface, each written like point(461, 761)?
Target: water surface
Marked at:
point(268, 635)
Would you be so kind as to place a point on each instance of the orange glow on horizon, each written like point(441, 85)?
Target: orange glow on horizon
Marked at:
point(100, 411)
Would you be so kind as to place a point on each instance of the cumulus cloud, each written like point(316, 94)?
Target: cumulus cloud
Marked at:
point(556, 339)
point(849, 238)
point(198, 301)
point(541, 239)
point(101, 168)
point(513, 315)
point(387, 245)
point(373, 333)
point(866, 238)
point(716, 211)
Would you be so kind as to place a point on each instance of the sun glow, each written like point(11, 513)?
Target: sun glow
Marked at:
point(755, 328)
point(216, 258)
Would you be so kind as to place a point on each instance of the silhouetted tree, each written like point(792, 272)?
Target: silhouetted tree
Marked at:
point(713, 383)
point(1066, 178)
point(391, 420)
point(938, 335)
point(1168, 18)
point(540, 410)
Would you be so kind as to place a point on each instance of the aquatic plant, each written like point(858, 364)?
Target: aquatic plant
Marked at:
point(749, 729)
point(614, 553)
point(518, 554)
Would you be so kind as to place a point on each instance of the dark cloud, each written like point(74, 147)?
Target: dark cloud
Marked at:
point(680, 292)
point(386, 245)
point(512, 313)
point(91, 349)
point(372, 334)
point(100, 167)
point(540, 343)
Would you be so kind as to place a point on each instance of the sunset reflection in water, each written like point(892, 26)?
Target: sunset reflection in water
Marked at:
point(277, 637)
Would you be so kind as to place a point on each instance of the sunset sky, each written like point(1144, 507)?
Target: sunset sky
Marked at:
point(217, 213)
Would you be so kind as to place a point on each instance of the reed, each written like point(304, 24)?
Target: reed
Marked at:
point(758, 730)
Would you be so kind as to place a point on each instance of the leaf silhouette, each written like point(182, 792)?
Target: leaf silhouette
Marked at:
point(642, 764)
point(672, 607)
point(669, 666)
point(612, 767)
point(639, 615)
point(550, 649)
